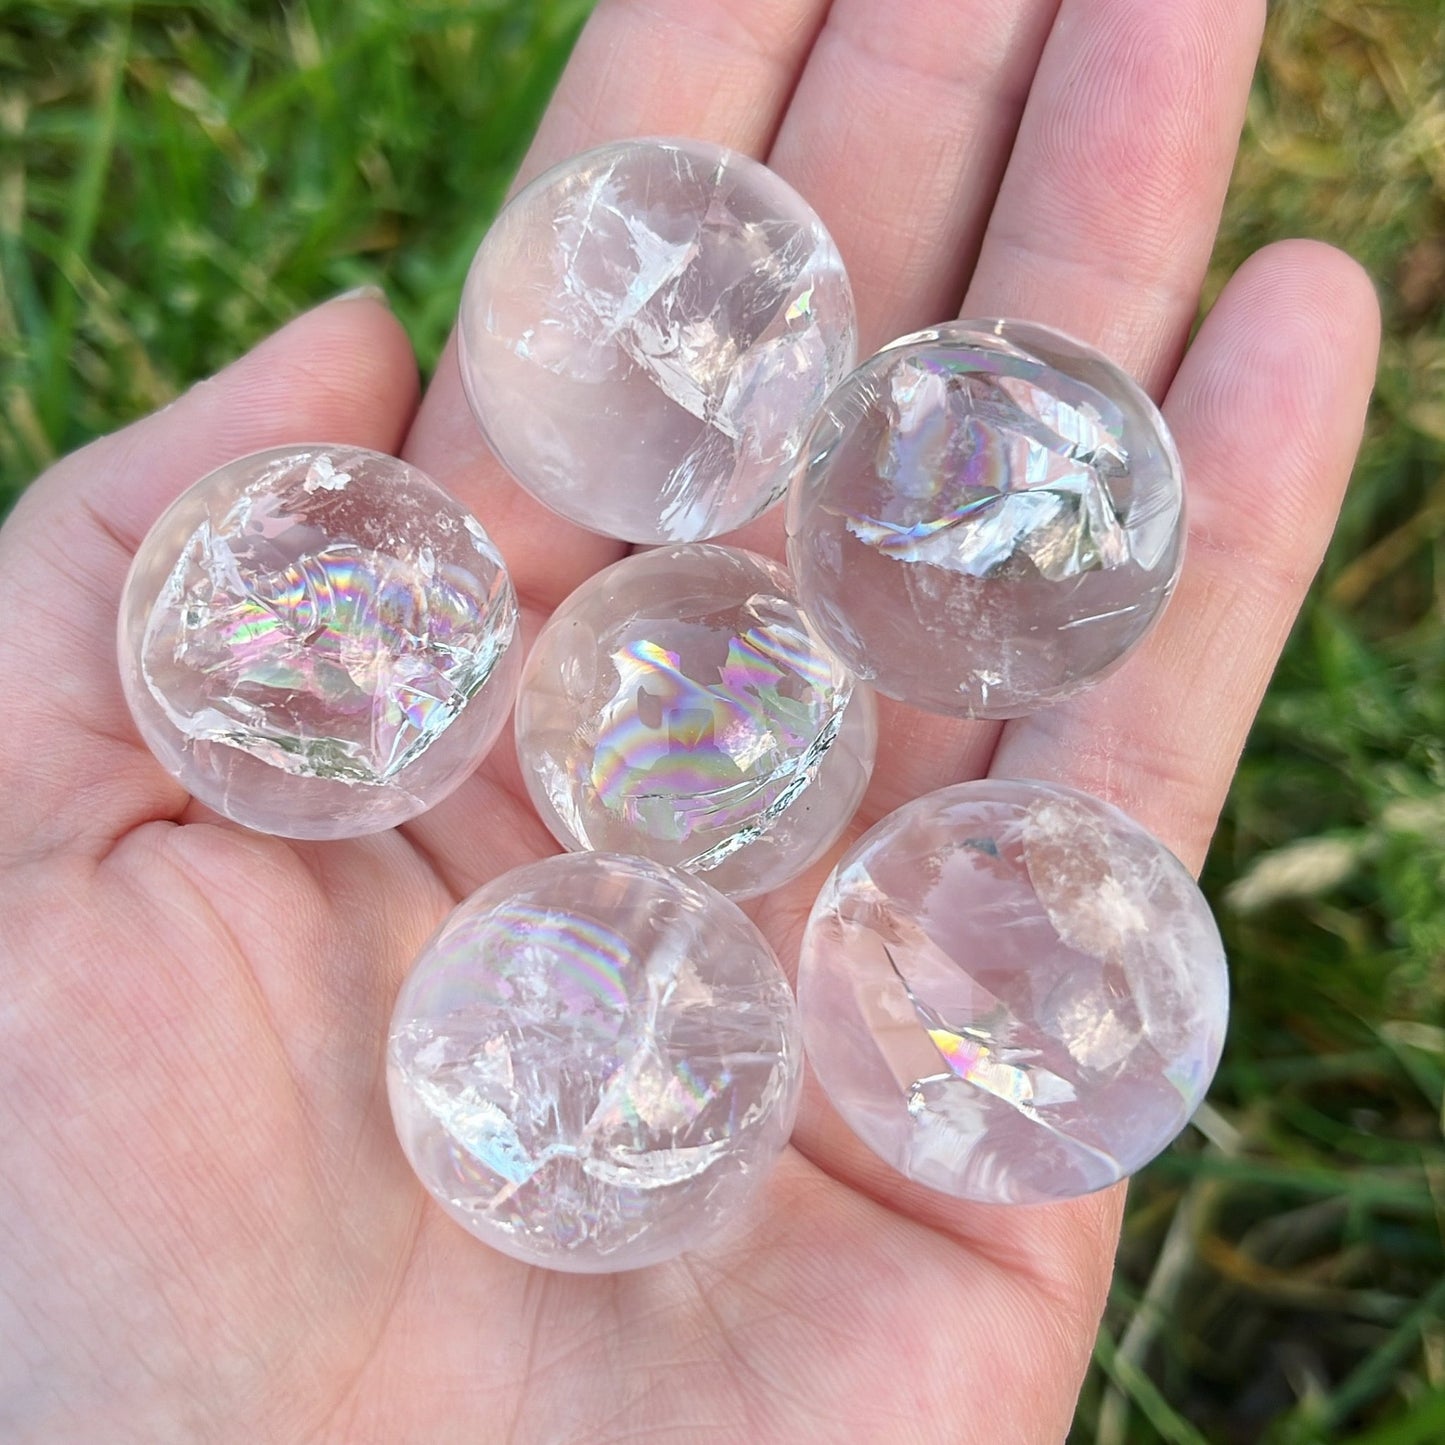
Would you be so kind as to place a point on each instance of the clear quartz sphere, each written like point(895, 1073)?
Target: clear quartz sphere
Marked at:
point(987, 517)
point(646, 332)
point(1012, 993)
point(678, 705)
point(317, 641)
point(595, 1063)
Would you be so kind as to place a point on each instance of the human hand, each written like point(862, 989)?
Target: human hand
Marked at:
point(211, 1232)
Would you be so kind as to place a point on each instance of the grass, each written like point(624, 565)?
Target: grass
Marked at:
point(176, 179)
point(1282, 1277)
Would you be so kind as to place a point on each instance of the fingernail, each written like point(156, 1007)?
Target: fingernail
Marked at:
point(368, 292)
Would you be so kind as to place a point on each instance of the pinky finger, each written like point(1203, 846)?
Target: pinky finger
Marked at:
point(1267, 409)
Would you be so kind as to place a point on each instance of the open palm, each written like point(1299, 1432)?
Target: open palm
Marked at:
point(210, 1233)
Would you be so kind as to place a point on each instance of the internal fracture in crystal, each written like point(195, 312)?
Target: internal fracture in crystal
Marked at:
point(679, 706)
point(595, 1063)
point(988, 517)
point(318, 642)
point(1012, 993)
point(646, 333)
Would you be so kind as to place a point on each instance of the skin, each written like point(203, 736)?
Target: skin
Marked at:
point(210, 1233)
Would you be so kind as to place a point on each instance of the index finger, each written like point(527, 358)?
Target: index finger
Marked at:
point(716, 69)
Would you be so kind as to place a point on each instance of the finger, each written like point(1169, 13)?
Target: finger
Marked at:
point(898, 134)
point(71, 769)
point(1102, 227)
point(1108, 211)
point(624, 78)
point(1267, 410)
point(346, 363)
point(720, 70)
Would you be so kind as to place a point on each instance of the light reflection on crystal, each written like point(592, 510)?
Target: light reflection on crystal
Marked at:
point(678, 706)
point(318, 641)
point(989, 518)
point(594, 1063)
point(646, 334)
point(1012, 993)
point(972, 1055)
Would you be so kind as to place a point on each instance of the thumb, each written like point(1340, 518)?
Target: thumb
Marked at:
point(71, 765)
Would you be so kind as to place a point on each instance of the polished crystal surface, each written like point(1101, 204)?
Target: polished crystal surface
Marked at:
point(317, 641)
point(678, 706)
point(646, 333)
point(987, 518)
point(1012, 993)
point(595, 1063)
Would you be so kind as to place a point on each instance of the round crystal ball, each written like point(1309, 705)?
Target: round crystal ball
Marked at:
point(678, 705)
point(647, 331)
point(317, 641)
point(595, 1063)
point(987, 517)
point(1012, 993)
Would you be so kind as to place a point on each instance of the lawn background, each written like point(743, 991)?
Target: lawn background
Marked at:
point(177, 179)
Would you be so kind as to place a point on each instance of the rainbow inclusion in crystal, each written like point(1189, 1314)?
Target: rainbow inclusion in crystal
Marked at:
point(594, 1063)
point(646, 333)
point(679, 706)
point(325, 615)
point(1012, 993)
point(987, 518)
